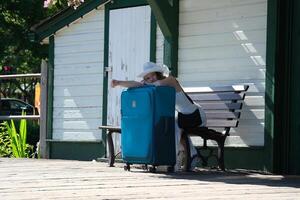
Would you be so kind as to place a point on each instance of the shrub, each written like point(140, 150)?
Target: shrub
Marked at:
point(14, 143)
point(5, 149)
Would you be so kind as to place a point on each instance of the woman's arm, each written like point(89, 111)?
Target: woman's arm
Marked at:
point(170, 81)
point(127, 84)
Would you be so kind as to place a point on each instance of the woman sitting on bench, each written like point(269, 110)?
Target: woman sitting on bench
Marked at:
point(188, 111)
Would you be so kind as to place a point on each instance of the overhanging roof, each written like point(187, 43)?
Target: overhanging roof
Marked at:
point(50, 25)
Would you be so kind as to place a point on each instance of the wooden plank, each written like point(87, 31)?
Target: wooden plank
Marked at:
point(78, 58)
point(221, 123)
point(221, 64)
point(229, 77)
point(223, 26)
point(217, 97)
point(75, 102)
point(77, 113)
point(78, 48)
point(221, 39)
point(222, 115)
point(44, 148)
point(220, 106)
point(231, 88)
point(66, 179)
point(73, 80)
point(77, 135)
point(76, 124)
point(79, 39)
point(232, 12)
point(197, 5)
point(80, 68)
point(215, 52)
point(77, 91)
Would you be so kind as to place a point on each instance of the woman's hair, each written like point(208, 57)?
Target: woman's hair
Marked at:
point(160, 76)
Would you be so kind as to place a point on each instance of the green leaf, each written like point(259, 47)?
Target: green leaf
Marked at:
point(14, 138)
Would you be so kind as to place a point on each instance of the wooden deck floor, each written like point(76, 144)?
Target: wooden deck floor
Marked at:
point(63, 179)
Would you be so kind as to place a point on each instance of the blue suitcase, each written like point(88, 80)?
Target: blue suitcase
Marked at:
point(147, 124)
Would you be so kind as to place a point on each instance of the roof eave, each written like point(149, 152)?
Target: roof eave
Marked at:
point(63, 18)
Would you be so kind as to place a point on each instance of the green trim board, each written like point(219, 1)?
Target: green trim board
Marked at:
point(283, 136)
point(50, 88)
point(153, 30)
point(270, 84)
point(252, 158)
point(76, 150)
point(105, 78)
point(282, 119)
point(167, 15)
point(293, 150)
point(171, 55)
point(282, 89)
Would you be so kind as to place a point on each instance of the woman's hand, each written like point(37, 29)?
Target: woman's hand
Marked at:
point(114, 83)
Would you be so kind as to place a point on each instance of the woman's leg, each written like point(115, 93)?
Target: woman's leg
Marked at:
point(178, 147)
point(181, 151)
point(192, 148)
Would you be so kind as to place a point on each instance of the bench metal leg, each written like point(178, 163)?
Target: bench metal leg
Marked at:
point(221, 143)
point(111, 150)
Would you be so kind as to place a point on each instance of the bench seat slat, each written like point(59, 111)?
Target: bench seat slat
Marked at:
point(221, 123)
point(217, 97)
point(223, 115)
point(220, 106)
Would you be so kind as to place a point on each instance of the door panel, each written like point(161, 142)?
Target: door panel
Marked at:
point(129, 48)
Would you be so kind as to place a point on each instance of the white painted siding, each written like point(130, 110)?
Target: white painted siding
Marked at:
point(78, 79)
point(223, 43)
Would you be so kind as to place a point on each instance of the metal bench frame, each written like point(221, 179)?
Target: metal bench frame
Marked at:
point(223, 107)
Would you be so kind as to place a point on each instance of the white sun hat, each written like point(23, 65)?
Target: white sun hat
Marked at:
point(149, 67)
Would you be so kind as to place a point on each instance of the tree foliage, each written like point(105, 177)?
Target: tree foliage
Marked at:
point(16, 49)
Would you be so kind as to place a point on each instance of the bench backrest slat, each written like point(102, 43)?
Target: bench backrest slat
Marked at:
point(221, 123)
point(222, 104)
point(223, 115)
point(217, 97)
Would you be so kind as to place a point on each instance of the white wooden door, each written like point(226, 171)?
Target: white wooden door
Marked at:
point(129, 48)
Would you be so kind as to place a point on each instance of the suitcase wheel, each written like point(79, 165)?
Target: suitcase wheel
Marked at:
point(145, 167)
point(152, 169)
point(170, 169)
point(127, 167)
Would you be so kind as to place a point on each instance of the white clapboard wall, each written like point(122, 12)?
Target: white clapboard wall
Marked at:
point(222, 43)
point(78, 79)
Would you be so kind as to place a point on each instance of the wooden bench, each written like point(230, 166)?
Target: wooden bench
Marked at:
point(222, 106)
